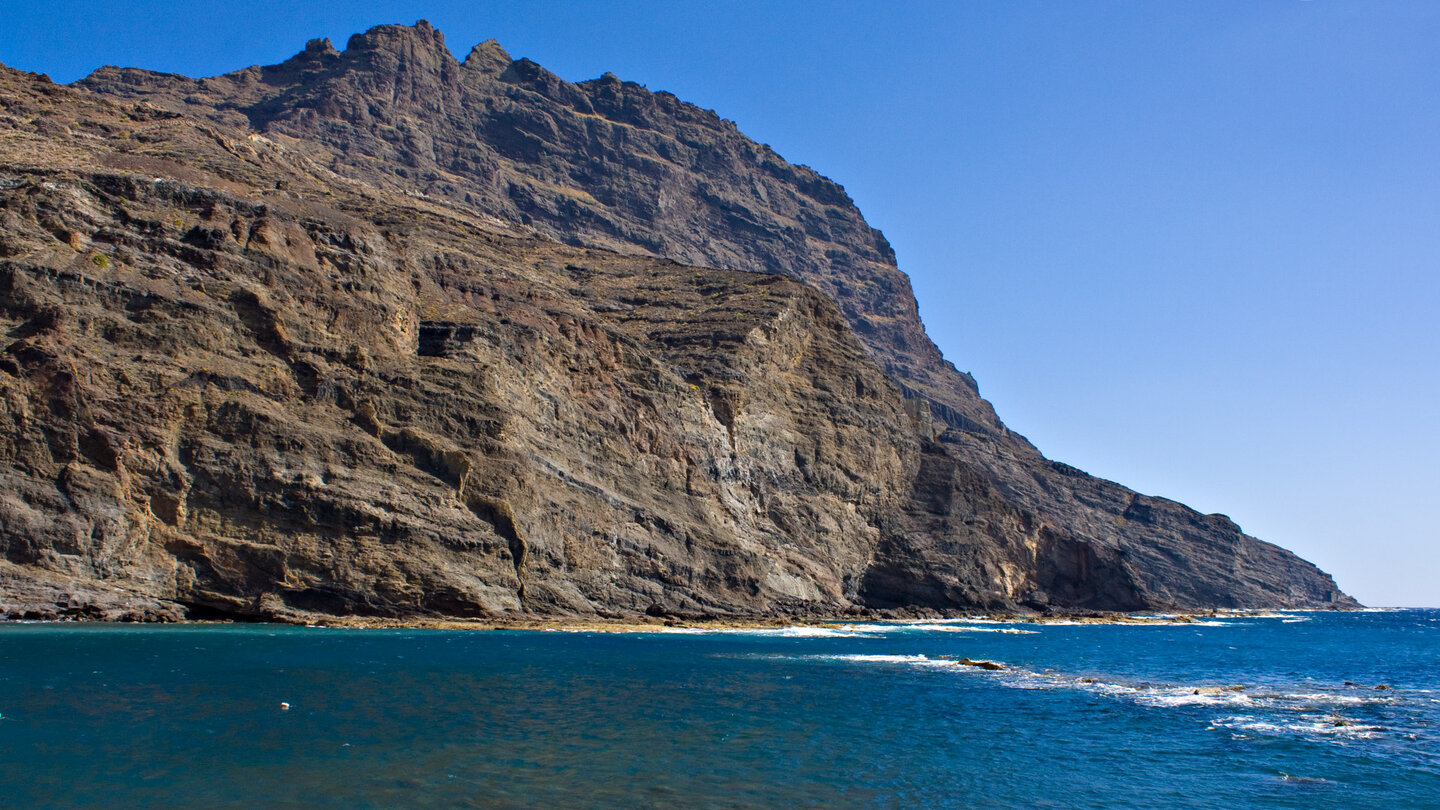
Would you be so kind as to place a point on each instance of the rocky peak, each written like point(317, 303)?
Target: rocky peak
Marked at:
point(488, 58)
point(412, 58)
point(531, 76)
point(419, 39)
point(320, 47)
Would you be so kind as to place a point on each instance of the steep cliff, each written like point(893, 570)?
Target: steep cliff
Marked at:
point(384, 332)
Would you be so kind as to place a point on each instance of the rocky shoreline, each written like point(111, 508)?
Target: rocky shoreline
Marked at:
point(660, 623)
point(654, 624)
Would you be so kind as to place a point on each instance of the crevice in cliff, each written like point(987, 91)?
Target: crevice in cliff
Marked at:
point(435, 456)
point(725, 404)
point(444, 338)
point(427, 453)
point(497, 512)
point(263, 324)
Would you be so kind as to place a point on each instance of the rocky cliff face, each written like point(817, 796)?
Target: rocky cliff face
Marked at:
point(382, 332)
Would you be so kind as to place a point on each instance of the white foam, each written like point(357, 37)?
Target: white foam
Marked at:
point(848, 631)
point(1244, 710)
point(970, 620)
point(910, 660)
point(1232, 696)
point(1269, 712)
point(937, 626)
point(879, 659)
point(812, 632)
point(1181, 696)
point(1071, 623)
point(923, 661)
point(1142, 621)
point(1330, 698)
point(965, 620)
point(1333, 727)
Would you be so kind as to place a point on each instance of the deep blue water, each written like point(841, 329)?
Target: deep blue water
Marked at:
point(1085, 716)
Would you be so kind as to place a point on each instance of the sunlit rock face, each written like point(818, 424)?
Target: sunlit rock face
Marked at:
point(381, 332)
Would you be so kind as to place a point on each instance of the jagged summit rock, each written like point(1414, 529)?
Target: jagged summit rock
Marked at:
point(378, 331)
point(488, 57)
point(320, 47)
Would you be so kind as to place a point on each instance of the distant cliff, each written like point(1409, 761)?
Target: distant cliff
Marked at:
point(381, 332)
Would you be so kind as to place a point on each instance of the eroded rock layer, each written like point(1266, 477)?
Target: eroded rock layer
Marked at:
point(307, 339)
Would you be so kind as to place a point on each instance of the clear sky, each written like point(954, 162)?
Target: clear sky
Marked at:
point(1188, 246)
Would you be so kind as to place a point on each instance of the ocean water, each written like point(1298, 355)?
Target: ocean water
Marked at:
point(1241, 712)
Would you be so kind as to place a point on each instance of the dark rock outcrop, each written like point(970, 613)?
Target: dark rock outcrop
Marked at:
point(309, 338)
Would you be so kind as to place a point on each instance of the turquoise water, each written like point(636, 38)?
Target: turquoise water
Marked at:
point(1084, 716)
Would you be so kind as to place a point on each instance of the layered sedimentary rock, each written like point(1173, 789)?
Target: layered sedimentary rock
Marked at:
point(382, 332)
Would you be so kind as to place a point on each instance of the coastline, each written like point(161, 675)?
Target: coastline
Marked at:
point(654, 624)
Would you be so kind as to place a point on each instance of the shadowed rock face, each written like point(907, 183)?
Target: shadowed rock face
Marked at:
point(308, 338)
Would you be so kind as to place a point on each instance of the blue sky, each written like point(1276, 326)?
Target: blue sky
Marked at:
point(1188, 246)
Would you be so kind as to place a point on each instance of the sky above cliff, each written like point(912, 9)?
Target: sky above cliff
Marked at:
point(1189, 246)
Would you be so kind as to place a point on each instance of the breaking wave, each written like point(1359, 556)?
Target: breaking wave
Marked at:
point(936, 626)
point(1341, 713)
point(847, 631)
